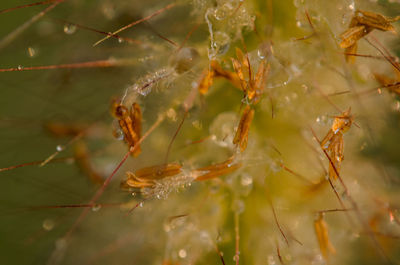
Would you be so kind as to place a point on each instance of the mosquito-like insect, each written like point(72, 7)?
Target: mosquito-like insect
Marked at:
point(146, 177)
point(130, 122)
point(333, 142)
point(362, 23)
point(242, 132)
point(321, 231)
point(254, 86)
point(216, 170)
point(391, 84)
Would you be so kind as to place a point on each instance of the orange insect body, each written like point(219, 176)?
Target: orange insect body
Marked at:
point(242, 132)
point(130, 122)
point(217, 170)
point(255, 85)
point(146, 177)
point(391, 84)
point(333, 141)
point(321, 231)
point(361, 24)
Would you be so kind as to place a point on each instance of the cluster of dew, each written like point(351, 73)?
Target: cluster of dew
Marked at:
point(263, 212)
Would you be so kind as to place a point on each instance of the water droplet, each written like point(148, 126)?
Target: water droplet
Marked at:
point(171, 114)
point(69, 29)
point(182, 253)
point(351, 6)
point(120, 40)
point(133, 194)
point(48, 224)
point(197, 124)
point(141, 204)
point(246, 180)
point(222, 129)
point(261, 54)
point(20, 67)
point(96, 207)
point(363, 146)
point(60, 148)
point(321, 119)
point(221, 43)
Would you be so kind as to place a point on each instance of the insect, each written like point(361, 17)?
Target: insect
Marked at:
point(146, 177)
point(253, 86)
point(321, 231)
point(393, 85)
point(215, 70)
point(362, 23)
point(216, 170)
point(130, 122)
point(333, 142)
point(242, 132)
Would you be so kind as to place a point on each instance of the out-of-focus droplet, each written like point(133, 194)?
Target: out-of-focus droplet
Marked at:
point(69, 29)
point(48, 224)
point(197, 124)
point(221, 43)
point(171, 114)
point(185, 59)
point(182, 253)
point(20, 67)
point(96, 207)
point(60, 148)
point(222, 129)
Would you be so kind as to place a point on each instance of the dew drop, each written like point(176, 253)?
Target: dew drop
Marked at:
point(182, 253)
point(141, 204)
point(69, 29)
point(221, 43)
point(59, 148)
point(246, 180)
point(20, 67)
point(96, 207)
point(48, 224)
point(261, 54)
